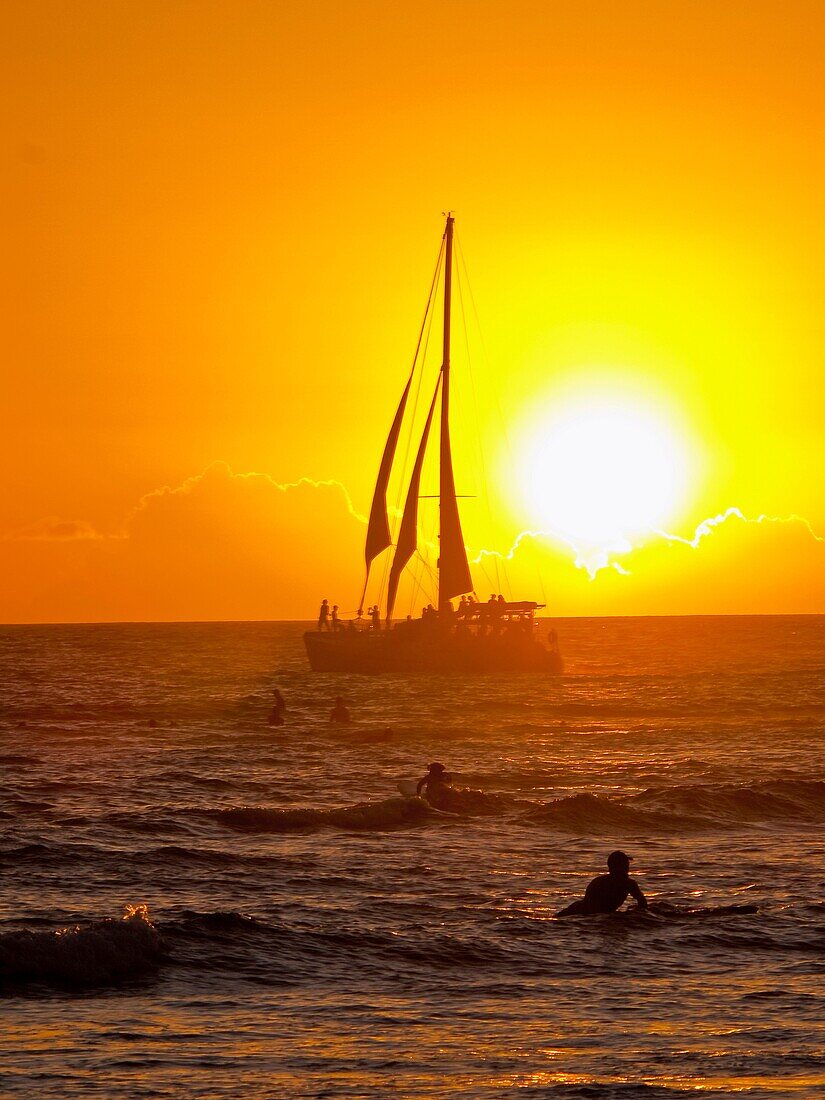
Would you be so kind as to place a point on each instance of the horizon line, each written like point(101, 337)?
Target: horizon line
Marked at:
point(540, 618)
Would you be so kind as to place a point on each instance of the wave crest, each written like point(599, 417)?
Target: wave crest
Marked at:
point(391, 813)
point(104, 952)
point(589, 813)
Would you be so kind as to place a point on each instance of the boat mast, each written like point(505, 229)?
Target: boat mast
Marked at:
point(443, 600)
point(453, 569)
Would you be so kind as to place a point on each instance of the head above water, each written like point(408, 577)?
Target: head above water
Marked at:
point(618, 862)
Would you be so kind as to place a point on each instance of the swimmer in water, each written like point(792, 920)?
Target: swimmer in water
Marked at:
point(340, 713)
point(436, 783)
point(607, 892)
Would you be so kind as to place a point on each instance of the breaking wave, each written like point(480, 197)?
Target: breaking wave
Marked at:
point(391, 813)
point(105, 952)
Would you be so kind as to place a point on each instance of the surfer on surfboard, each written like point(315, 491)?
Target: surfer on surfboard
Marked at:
point(607, 892)
point(435, 785)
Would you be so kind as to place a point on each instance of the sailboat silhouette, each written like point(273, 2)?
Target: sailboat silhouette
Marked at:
point(496, 636)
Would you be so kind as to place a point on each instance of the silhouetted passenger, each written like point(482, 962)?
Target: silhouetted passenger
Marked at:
point(607, 892)
point(278, 701)
point(339, 713)
point(323, 616)
point(436, 783)
point(336, 621)
point(492, 613)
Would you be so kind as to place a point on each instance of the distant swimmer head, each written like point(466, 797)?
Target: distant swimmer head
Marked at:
point(436, 769)
point(619, 861)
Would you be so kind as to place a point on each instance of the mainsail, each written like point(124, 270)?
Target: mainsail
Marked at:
point(408, 532)
point(453, 569)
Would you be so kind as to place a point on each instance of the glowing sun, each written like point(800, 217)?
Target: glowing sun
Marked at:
point(596, 468)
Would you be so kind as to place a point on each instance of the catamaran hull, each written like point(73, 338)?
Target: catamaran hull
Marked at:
point(373, 653)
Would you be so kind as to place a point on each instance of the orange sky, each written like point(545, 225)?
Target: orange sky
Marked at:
point(220, 225)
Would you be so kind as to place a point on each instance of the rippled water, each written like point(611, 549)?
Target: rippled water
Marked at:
point(308, 932)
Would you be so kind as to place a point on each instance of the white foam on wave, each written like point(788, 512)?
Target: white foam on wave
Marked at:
point(100, 953)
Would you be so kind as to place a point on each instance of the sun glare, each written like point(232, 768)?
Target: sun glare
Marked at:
point(596, 468)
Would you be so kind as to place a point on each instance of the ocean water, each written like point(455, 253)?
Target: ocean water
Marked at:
point(197, 904)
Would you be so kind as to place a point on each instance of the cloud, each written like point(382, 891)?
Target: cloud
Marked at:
point(729, 565)
point(226, 545)
point(220, 546)
point(53, 529)
point(219, 477)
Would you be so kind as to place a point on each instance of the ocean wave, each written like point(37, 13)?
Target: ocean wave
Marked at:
point(274, 951)
point(589, 813)
point(165, 856)
point(391, 813)
point(285, 952)
point(212, 781)
point(21, 806)
point(775, 801)
point(163, 821)
point(104, 952)
point(687, 808)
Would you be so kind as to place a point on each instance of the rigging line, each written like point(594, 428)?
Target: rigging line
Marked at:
point(494, 389)
point(484, 480)
point(486, 576)
point(424, 572)
point(541, 584)
point(484, 353)
point(421, 568)
point(429, 312)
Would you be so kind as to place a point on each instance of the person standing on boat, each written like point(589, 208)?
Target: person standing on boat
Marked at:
point(323, 616)
point(375, 615)
point(336, 621)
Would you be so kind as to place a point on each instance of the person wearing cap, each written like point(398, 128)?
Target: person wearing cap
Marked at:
point(436, 783)
point(607, 892)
